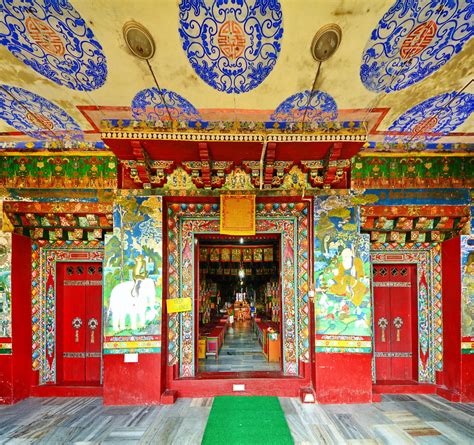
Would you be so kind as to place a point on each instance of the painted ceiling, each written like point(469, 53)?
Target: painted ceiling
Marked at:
point(405, 67)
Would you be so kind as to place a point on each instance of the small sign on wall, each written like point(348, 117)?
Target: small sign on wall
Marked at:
point(174, 305)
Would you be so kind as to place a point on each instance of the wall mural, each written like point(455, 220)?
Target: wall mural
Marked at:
point(148, 105)
point(45, 255)
point(320, 106)
point(288, 219)
point(232, 45)
point(427, 257)
point(36, 116)
point(52, 38)
point(467, 294)
point(133, 277)
point(437, 116)
point(342, 277)
point(5, 293)
point(413, 40)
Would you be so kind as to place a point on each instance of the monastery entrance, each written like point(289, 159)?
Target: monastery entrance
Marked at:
point(79, 323)
point(396, 322)
point(239, 305)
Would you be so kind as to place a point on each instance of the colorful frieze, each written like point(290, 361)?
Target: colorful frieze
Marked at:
point(342, 277)
point(427, 257)
point(412, 197)
point(467, 294)
point(288, 219)
point(412, 172)
point(133, 277)
point(5, 293)
point(59, 171)
point(232, 128)
point(45, 256)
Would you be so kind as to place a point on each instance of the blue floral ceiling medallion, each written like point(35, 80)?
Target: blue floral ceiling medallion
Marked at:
point(232, 44)
point(413, 39)
point(36, 116)
point(321, 108)
point(433, 118)
point(148, 105)
point(52, 38)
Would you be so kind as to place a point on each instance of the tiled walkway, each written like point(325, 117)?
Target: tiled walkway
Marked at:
point(241, 351)
point(396, 420)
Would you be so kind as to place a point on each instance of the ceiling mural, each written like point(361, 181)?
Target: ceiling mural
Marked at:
point(227, 62)
point(52, 38)
point(432, 118)
point(413, 40)
point(36, 116)
point(154, 105)
point(315, 106)
point(232, 45)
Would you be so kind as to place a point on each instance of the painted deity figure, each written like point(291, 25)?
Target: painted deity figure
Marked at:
point(139, 273)
point(349, 278)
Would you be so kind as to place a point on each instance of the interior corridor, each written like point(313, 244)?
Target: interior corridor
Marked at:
point(241, 351)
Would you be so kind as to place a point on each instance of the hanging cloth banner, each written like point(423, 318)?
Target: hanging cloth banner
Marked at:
point(237, 215)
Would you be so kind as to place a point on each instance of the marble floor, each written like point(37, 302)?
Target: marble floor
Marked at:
point(241, 351)
point(398, 419)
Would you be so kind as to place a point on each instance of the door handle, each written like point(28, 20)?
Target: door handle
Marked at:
point(382, 324)
point(398, 323)
point(76, 325)
point(93, 325)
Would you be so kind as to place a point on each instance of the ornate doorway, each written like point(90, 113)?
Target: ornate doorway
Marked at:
point(79, 323)
point(395, 316)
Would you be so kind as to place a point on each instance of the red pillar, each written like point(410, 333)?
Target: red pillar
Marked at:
point(15, 368)
point(458, 368)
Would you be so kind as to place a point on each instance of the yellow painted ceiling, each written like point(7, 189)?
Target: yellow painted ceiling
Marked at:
point(294, 70)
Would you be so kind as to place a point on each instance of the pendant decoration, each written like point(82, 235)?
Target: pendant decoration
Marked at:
point(76, 324)
point(382, 324)
point(93, 324)
point(398, 323)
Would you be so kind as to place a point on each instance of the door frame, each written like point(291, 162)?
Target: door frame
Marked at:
point(429, 313)
point(187, 218)
point(45, 255)
point(58, 328)
point(198, 238)
point(413, 322)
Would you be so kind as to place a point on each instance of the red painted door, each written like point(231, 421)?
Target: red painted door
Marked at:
point(79, 322)
point(395, 321)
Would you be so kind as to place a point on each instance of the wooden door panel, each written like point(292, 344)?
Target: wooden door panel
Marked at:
point(81, 322)
point(382, 320)
point(93, 298)
point(401, 322)
point(73, 325)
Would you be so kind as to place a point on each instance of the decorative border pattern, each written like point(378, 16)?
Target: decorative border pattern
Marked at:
point(52, 38)
point(427, 257)
point(232, 45)
point(318, 107)
point(412, 41)
point(433, 118)
point(45, 255)
point(148, 105)
point(36, 116)
point(288, 219)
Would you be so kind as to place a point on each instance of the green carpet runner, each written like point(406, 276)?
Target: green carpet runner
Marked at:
point(236, 420)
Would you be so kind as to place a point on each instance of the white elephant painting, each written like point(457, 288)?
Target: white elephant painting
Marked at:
point(135, 300)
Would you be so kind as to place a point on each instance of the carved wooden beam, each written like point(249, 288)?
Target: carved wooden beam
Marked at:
point(143, 163)
point(205, 164)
